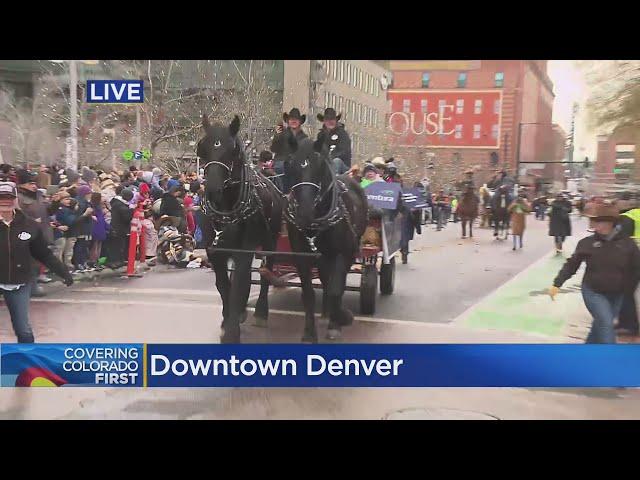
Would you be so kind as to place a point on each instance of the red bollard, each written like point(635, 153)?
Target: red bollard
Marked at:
point(135, 235)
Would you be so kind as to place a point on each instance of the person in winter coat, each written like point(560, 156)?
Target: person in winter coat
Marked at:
point(613, 270)
point(21, 240)
point(150, 235)
point(280, 144)
point(172, 207)
point(519, 210)
point(33, 205)
point(100, 229)
point(188, 211)
point(559, 221)
point(121, 215)
point(334, 138)
point(43, 179)
point(82, 228)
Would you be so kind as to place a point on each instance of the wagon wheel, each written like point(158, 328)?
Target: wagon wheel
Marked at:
point(388, 277)
point(368, 290)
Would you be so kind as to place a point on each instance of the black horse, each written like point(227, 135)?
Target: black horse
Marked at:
point(242, 210)
point(500, 213)
point(326, 214)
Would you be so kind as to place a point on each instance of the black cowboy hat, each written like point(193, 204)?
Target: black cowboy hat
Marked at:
point(294, 113)
point(329, 114)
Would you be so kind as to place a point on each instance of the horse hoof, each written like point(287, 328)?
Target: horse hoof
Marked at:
point(333, 334)
point(228, 338)
point(260, 322)
point(464, 236)
point(310, 338)
point(346, 317)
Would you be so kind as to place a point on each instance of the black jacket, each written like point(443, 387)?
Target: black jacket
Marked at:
point(559, 221)
point(21, 241)
point(171, 206)
point(34, 206)
point(121, 216)
point(613, 265)
point(280, 144)
point(339, 139)
point(83, 224)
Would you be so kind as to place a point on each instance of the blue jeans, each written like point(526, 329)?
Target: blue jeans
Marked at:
point(339, 167)
point(604, 308)
point(18, 304)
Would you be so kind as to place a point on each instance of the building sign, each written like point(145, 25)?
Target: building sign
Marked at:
point(446, 118)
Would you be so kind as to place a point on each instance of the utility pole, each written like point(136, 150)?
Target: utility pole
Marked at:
point(73, 91)
point(571, 142)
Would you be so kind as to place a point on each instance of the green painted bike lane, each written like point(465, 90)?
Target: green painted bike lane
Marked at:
point(523, 305)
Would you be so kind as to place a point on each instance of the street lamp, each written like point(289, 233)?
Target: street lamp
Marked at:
point(72, 161)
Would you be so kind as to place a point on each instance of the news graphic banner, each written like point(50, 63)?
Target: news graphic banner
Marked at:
point(345, 365)
point(115, 91)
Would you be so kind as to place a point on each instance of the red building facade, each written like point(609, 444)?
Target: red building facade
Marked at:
point(485, 110)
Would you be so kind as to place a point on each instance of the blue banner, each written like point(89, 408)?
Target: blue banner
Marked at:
point(383, 195)
point(344, 365)
point(362, 365)
point(66, 365)
point(414, 198)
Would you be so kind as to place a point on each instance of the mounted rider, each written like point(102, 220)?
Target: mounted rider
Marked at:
point(280, 145)
point(335, 139)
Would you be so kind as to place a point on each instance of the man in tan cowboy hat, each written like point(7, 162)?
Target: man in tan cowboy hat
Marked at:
point(280, 144)
point(613, 270)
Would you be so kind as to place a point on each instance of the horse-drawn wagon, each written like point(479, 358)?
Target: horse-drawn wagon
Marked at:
point(375, 262)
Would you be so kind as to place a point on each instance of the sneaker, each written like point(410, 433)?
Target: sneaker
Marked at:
point(44, 279)
point(37, 291)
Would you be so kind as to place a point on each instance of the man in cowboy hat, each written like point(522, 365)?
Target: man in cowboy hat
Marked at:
point(280, 144)
point(613, 270)
point(336, 140)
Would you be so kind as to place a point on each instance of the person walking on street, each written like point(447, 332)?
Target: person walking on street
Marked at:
point(280, 145)
point(442, 208)
point(33, 205)
point(613, 271)
point(559, 221)
point(21, 239)
point(629, 222)
point(519, 210)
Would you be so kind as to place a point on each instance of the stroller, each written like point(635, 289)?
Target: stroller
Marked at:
point(176, 248)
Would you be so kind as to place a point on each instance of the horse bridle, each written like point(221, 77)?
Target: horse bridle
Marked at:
point(336, 213)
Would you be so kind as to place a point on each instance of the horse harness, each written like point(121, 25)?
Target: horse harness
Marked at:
point(247, 205)
point(337, 213)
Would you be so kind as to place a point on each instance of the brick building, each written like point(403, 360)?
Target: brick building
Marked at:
point(617, 157)
point(457, 115)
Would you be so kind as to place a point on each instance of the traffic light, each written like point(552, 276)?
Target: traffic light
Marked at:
point(586, 162)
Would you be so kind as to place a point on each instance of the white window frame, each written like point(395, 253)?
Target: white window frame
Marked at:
point(458, 131)
point(495, 128)
point(496, 106)
point(406, 105)
point(360, 79)
point(460, 105)
point(477, 130)
point(348, 74)
point(477, 106)
point(424, 105)
point(334, 101)
point(441, 103)
point(341, 77)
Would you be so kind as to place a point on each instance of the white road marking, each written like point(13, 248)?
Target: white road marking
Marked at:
point(157, 291)
point(143, 303)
